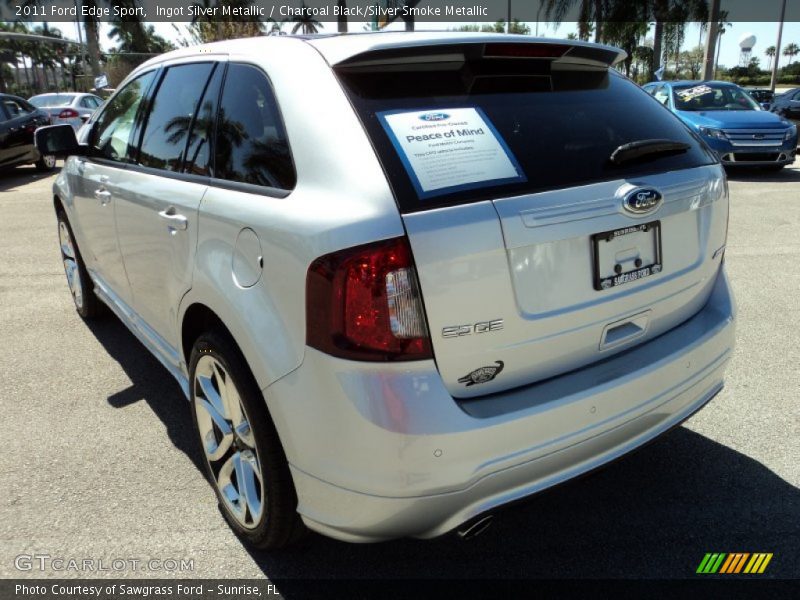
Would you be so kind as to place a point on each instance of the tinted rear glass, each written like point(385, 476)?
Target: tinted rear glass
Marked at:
point(556, 129)
point(251, 142)
point(54, 100)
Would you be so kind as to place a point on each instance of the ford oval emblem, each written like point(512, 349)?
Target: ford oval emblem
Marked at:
point(642, 200)
point(435, 116)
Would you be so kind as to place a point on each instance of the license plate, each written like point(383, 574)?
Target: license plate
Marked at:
point(625, 255)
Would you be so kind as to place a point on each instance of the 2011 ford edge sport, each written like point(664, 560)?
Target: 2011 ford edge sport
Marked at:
point(403, 278)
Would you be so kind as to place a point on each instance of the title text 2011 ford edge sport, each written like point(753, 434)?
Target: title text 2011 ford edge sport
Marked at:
point(403, 278)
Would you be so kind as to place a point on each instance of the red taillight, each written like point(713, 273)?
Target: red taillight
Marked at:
point(363, 303)
point(68, 113)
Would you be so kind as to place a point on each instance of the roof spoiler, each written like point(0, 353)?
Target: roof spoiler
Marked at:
point(563, 54)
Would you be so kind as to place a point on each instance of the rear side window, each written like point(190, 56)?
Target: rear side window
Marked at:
point(199, 152)
point(172, 112)
point(17, 108)
point(543, 128)
point(111, 135)
point(251, 141)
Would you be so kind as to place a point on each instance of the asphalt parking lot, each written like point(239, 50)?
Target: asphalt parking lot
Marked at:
point(98, 461)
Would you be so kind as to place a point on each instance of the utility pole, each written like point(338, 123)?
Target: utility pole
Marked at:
point(538, 13)
point(711, 41)
point(508, 23)
point(774, 79)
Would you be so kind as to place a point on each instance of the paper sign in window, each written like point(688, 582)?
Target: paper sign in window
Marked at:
point(450, 150)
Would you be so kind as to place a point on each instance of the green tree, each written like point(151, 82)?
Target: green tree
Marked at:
point(769, 52)
point(135, 37)
point(691, 61)
point(790, 51)
point(589, 11)
point(305, 22)
point(625, 29)
point(204, 29)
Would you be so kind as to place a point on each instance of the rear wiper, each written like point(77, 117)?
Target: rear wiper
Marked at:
point(645, 148)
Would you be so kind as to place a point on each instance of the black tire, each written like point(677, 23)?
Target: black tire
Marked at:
point(86, 303)
point(46, 162)
point(280, 526)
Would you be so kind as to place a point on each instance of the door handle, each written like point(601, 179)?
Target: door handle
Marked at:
point(103, 195)
point(175, 220)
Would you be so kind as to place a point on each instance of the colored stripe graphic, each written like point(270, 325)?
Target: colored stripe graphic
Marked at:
point(734, 562)
point(703, 563)
point(726, 565)
point(742, 558)
point(711, 562)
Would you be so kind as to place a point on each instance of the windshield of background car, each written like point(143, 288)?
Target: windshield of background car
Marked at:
point(704, 96)
point(532, 129)
point(53, 100)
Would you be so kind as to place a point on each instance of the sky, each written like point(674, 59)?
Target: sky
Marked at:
point(765, 32)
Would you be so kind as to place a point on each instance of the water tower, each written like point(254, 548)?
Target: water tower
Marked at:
point(746, 43)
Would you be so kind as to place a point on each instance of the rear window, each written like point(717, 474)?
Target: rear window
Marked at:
point(52, 100)
point(511, 126)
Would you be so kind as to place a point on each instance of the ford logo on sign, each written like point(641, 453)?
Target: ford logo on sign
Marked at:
point(434, 116)
point(642, 201)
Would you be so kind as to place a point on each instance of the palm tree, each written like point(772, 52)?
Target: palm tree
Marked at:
point(670, 17)
point(588, 11)
point(790, 51)
point(341, 19)
point(205, 28)
point(627, 35)
point(723, 26)
point(92, 38)
point(305, 23)
point(770, 53)
point(134, 37)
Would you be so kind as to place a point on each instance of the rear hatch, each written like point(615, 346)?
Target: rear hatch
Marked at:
point(542, 242)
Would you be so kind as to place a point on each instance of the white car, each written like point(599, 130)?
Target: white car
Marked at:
point(435, 274)
point(67, 108)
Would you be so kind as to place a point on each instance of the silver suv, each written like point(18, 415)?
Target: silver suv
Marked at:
point(403, 278)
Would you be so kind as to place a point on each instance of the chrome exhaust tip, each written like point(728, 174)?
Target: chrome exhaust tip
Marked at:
point(474, 528)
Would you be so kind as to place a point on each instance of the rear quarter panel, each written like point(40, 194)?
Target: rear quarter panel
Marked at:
point(342, 199)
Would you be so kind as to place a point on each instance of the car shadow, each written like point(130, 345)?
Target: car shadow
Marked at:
point(762, 175)
point(653, 514)
point(150, 382)
point(12, 178)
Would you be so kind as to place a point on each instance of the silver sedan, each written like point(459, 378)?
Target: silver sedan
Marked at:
point(67, 108)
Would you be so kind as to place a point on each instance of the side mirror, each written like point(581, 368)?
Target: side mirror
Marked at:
point(59, 140)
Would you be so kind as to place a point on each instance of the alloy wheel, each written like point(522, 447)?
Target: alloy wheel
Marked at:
point(228, 442)
point(70, 258)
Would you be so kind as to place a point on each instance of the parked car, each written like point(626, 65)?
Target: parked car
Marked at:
point(401, 298)
point(787, 104)
point(18, 121)
point(763, 97)
point(730, 122)
point(68, 108)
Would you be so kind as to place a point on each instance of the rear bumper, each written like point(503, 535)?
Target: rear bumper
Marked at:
point(378, 455)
